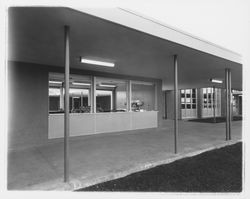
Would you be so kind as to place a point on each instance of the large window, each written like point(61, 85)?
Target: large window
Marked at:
point(143, 96)
point(105, 95)
point(211, 101)
point(189, 103)
point(79, 93)
point(111, 95)
point(79, 100)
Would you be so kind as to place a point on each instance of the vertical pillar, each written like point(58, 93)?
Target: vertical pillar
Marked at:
point(156, 96)
point(93, 94)
point(165, 105)
point(175, 104)
point(214, 108)
point(114, 96)
point(61, 98)
point(66, 104)
point(129, 95)
point(228, 103)
point(89, 97)
point(199, 102)
point(72, 103)
point(81, 100)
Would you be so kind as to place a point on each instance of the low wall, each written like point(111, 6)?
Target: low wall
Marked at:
point(93, 123)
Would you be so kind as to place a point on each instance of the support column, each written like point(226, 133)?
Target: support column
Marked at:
point(81, 105)
point(129, 95)
point(66, 104)
point(93, 94)
point(61, 98)
point(228, 103)
point(175, 104)
point(214, 108)
point(156, 96)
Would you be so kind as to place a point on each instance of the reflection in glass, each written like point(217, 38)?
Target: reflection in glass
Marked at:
point(143, 96)
point(111, 95)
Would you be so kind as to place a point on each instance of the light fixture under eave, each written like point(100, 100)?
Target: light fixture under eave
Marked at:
point(218, 81)
point(55, 82)
point(96, 62)
point(107, 85)
point(81, 84)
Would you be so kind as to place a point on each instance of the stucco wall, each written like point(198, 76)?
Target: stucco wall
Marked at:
point(170, 104)
point(28, 105)
point(28, 102)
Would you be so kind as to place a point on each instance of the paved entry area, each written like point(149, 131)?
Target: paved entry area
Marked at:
point(98, 158)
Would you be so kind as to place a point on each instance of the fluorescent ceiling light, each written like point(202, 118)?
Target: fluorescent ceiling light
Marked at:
point(107, 85)
point(95, 62)
point(55, 82)
point(216, 81)
point(81, 83)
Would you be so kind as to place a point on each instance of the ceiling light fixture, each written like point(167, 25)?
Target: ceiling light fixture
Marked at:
point(216, 81)
point(107, 85)
point(95, 62)
point(55, 82)
point(81, 83)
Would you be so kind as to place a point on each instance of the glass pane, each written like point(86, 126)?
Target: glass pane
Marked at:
point(188, 106)
point(103, 100)
point(54, 99)
point(188, 100)
point(111, 95)
point(182, 106)
point(143, 96)
point(193, 106)
point(79, 100)
point(79, 92)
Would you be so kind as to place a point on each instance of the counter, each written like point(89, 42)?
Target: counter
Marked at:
point(94, 123)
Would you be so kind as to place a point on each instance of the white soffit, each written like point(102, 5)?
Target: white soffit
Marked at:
point(150, 26)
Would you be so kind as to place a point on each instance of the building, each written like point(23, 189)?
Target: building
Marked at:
point(131, 85)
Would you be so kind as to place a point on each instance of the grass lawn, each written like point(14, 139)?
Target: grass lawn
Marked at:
point(219, 170)
point(218, 119)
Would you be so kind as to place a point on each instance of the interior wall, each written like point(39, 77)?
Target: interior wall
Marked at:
point(28, 105)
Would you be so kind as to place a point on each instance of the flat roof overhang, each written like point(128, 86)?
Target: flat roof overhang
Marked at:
point(138, 46)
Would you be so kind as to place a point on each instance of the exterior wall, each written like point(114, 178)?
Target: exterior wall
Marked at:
point(170, 104)
point(223, 102)
point(160, 102)
point(199, 102)
point(28, 102)
point(28, 106)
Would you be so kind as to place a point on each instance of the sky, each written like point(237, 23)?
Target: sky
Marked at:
point(220, 22)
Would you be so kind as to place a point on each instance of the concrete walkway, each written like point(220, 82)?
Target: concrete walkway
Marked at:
point(98, 158)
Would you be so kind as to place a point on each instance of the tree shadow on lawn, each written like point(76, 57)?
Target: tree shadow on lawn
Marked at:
point(219, 170)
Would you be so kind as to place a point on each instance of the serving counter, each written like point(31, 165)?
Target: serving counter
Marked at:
point(94, 123)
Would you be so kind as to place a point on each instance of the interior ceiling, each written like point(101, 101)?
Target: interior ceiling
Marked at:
point(36, 35)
